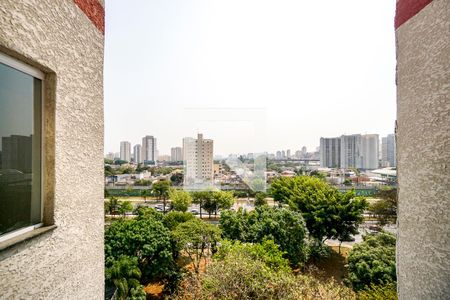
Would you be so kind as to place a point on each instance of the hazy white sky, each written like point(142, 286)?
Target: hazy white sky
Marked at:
point(253, 75)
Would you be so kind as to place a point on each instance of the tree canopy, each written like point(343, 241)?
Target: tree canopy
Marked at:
point(147, 239)
point(285, 227)
point(196, 238)
point(180, 200)
point(372, 262)
point(328, 213)
point(125, 275)
point(174, 218)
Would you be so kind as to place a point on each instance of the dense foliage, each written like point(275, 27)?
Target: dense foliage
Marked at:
point(260, 199)
point(212, 201)
point(328, 213)
point(379, 292)
point(174, 218)
point(124, 274)
point(245, 271)
point(372, 262)
point(285, 227)
point(385, 210)
point(147, 239)
point(180, 200)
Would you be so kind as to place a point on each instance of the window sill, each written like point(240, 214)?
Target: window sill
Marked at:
point(25, 237)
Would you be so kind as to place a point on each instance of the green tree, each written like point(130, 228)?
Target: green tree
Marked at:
point(161, 190)
point(285, 227)
point(267, 251)
point(327, 212)
point(145, 238)
point(144, 194)
point(174, 218)
point(225, 200)
point(124, 207)
point(124, 273)
point(372, 262)
point(196, 238)
point(180, 200)
point(144, 212)
point(200, 197)
point(385, 209)
point(112, 205)
point(260, 199)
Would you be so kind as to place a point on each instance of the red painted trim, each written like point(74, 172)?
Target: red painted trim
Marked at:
point(94, 11)
point(406, 9)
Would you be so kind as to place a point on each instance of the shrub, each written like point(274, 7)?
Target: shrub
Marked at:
point(245, 271)
point(372, 262)
point(379, 292)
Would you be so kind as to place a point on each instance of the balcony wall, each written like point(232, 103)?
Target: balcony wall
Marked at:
point(64, 39)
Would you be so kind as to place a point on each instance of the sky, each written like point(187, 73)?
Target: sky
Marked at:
point(253, 75)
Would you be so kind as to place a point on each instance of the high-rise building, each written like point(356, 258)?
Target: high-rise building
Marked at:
point(149, 149)
point(278, 155)
point(176, 154)
point(388, 151)
point(137, 153)
point(125, 151)
point(198, 161)
point(369, 151)
point(351, 151)
point(288, 153)
point(283, 154)
point(359, 151)
point(330, 152)
point(304, 151)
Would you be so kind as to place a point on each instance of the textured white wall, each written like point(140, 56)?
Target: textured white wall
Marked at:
point(423, 153)
point(66, 263)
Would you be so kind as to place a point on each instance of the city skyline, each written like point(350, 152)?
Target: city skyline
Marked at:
point(373, 144)
point(194, 71)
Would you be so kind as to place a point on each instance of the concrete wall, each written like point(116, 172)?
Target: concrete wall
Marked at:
point(59, 38)
point(423, 149)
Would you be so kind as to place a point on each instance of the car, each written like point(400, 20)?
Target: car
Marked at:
point(194, 212)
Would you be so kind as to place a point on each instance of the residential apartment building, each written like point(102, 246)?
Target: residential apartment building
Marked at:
point(137, 154)
point(149, 149)
point(51, 219)
point(125, 151)
point(176, 154)
point(388, 151)
point(330, 152)
point(350, 151)
point(198, 162)
point(369, 151)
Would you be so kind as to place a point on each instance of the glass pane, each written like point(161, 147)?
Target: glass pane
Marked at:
point(20, 149)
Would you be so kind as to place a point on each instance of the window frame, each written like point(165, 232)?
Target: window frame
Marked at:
point(38, 74)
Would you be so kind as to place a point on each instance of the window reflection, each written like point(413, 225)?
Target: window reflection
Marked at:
point(20, 149)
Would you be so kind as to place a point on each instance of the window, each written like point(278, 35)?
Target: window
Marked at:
point(20, 147)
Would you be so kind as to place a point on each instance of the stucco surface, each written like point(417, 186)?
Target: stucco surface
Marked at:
point(66, 263)
point(423, 153)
